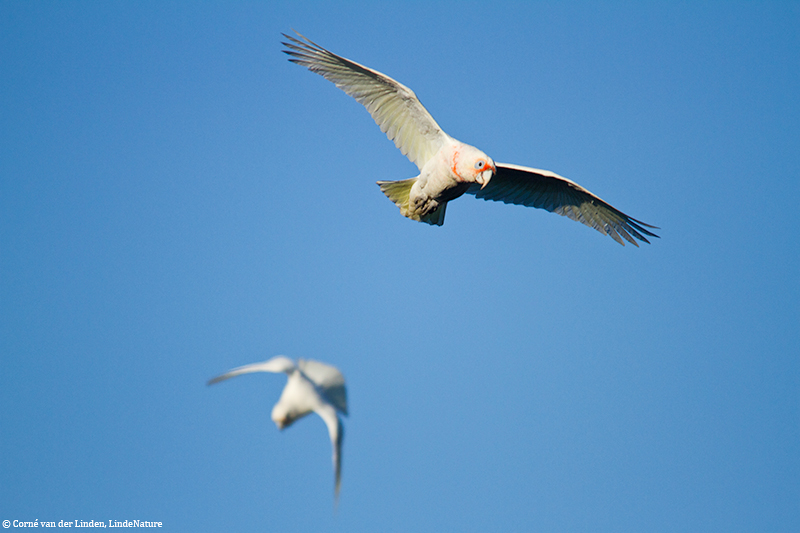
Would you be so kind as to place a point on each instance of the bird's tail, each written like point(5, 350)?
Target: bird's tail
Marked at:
point(398, 192)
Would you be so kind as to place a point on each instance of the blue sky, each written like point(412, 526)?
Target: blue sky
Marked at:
point(177, 199)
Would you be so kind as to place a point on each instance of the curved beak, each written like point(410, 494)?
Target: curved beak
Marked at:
point(284, 422)
point(485, 177)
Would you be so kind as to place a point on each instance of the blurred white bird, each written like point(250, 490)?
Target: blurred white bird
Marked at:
point(450, 168)
point(312, 387)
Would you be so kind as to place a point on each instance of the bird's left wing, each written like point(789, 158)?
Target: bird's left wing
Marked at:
point(276, 364)
point(393, 106)
point(532, 187)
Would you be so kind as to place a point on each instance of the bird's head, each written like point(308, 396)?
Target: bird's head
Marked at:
point(484, 171)
point(282, 417)
point(473, 166)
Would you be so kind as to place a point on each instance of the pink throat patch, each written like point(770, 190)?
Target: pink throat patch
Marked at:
point(454, 166)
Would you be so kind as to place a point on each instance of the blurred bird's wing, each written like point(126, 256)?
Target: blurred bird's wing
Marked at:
point(328, 380)
point(327, 412)
point(393, 106)
point(276, 364)
point(532, 187)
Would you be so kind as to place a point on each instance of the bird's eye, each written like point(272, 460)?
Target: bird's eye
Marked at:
point(479, 165)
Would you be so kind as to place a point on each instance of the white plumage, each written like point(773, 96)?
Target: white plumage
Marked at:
point(449, 168)
point(312, 387)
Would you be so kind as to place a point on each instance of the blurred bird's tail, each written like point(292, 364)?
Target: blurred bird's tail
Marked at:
point(398, 191)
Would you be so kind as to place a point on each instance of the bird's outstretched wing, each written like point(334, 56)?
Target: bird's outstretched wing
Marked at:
point(328, 380)
point(276, 364)
point(532, 187)
point(327, 412)
point(393, 106)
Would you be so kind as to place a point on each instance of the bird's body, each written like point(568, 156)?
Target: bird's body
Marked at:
point(444, 177)
point(450, 168)
point(311, 387)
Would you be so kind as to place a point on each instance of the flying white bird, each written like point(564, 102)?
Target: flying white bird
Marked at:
point(312, 387)
point(449, 168)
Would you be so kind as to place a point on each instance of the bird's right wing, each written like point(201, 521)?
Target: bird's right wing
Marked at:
point(543, 189)
point(276, 364)
point(336, 432)
point(393, 106)
point(328, 380)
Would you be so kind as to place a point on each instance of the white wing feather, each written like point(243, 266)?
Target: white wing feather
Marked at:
point(533, 187)
point(277, 364)
point(393, 106)
point(327, 412)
